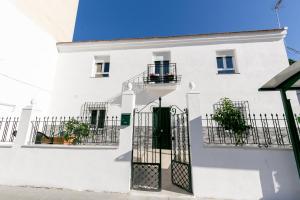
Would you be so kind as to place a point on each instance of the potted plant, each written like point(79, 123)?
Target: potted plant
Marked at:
point(75, 131)
point(154, 78)
point(168, 78)
point(231, 119)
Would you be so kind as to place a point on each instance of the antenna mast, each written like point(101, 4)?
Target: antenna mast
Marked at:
point(276, 8)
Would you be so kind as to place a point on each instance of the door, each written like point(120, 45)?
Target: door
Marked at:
point(162, 127)
point(162, 68)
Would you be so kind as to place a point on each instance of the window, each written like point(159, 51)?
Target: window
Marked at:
point(242, 106)
point(101, 68)
point(98, 118)
point(226, 62)
point(95, 112)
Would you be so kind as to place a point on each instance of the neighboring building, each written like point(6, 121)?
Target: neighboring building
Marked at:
point(29, 31)
point(232, 65)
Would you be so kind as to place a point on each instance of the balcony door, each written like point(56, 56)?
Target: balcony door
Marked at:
point(162, 67)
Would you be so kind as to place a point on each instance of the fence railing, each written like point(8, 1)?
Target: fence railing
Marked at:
point(262, 131)
point(75, 131)
point(8, 129)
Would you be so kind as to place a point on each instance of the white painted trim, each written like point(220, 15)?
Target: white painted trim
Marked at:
point(53, 146)
point(254, 147)
point(6, 145)
point(254, 36)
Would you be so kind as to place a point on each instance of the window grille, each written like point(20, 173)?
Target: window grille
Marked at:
point(243, 106)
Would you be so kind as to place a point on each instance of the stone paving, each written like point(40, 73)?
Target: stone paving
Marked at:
point(31, 193)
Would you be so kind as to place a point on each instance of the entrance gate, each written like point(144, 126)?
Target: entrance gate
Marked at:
point(181, 172)
point(156, 128)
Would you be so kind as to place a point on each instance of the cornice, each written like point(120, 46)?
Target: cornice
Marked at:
point(176, 41)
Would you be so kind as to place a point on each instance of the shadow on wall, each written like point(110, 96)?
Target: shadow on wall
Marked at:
point(142, 98)
point(276, 168)
point(126, 157)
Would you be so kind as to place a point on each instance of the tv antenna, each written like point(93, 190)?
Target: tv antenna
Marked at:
point(277, 7)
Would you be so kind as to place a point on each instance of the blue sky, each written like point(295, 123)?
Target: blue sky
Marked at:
point(111, 19)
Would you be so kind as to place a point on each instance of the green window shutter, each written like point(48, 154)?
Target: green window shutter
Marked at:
point(229, 62)
point(101, 118)
point(106, 69)
point(220, 62)
point(93, 117)
point(166, 64)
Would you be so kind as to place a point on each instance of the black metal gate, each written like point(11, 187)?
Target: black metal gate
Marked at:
point(146, 154)
point(181, 157)
point(148, 136)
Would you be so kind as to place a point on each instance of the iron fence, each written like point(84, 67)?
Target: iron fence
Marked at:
point(8, 129)
point(56, 130)
point(262, 131)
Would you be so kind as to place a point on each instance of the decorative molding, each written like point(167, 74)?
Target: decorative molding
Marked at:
point(176, 41)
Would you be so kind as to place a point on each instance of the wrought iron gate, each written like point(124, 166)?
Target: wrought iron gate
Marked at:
point(148, 139)
point(181, 158)
point(146, 154)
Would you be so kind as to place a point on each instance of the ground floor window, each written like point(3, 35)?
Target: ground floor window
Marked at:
point(95, 112)
point(242, 106)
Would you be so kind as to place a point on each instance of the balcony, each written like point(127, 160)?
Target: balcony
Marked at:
point(162, 75)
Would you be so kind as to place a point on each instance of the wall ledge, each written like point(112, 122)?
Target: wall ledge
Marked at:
point(6, 145)
point(50, 146)
point(247, 147)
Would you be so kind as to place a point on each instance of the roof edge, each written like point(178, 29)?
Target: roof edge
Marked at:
point(243, 35)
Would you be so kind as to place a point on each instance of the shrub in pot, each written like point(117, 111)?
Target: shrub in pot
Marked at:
point(75, 131)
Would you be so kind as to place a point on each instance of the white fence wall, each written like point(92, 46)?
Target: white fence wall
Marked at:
point(79, 169)
point(239, 173)
point(97, 168)
point(226, 173)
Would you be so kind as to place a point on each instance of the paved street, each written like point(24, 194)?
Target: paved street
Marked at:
point(29, 193)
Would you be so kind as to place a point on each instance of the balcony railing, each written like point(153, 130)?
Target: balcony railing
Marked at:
point(161, 73)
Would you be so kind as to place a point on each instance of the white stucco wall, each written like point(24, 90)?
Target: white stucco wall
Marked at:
point(242, 173)
point(239, 172)
point(258, 60)
point(97, 168)
point(27, 61)
point(77, 169)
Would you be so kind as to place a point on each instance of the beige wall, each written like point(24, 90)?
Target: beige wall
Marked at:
point(57, 17)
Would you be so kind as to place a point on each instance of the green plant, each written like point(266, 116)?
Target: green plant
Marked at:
point(231, 119)
point(76, 130)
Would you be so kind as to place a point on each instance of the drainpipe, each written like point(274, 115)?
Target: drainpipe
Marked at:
point(291, 127)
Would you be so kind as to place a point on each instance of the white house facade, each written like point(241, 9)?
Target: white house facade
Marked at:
point(253, 57)
point(137, 114)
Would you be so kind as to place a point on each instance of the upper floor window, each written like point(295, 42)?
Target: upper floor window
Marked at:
point(101, 66)
point(226, 62)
